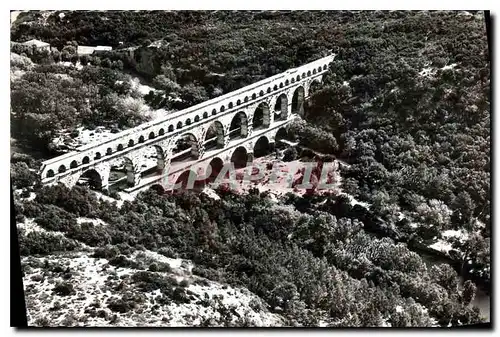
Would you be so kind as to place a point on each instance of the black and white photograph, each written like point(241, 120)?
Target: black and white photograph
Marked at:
point(251, 168)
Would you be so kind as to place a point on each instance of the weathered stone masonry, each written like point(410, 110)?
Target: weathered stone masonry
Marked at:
point(241, 118)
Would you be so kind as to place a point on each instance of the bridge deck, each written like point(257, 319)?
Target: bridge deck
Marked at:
point(222, 98)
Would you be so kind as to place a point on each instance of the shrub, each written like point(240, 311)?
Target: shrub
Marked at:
point(164, 267)
point(64, 289)
point(120, 306)
point(168, 252)
point(124, 262)
point(290, 154)
point(184, 283)
point(179, 295)
point(78, 200)
point(67, 276)
point(103, 314)
point(37, 278)
point(74, 133)
point(42, 321)
point(20, 218)
point(148, 281)
point(153, 267)
point(22, 176)
point(106, 252)
point(25, 193)
point(42, 243)
point(22, 157)
point(125, 248)
point(54, 218)
point(90, 234)
point(115, 195)
point(202, 282)
point(56, 306)
point(306, 153)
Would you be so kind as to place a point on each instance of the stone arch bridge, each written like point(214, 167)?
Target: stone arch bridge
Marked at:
point(240, 124)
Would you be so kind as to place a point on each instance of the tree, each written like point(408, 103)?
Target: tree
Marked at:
point(118, 64)
point(74, 59)
point(162, 82)
point(168, 72)
point(469, 292)
point(465, 249)
point(217, 92)
point(84, 60)
point(68, 52)
point(284, 295)
point(463, 207)
point(290, 154)
point(192, 94)
point(433, 213)
point(22, 176)
point(106, 62)
point(444, 275)
point(313, 137)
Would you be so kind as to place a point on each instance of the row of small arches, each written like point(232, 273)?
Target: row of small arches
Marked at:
point(262, 93)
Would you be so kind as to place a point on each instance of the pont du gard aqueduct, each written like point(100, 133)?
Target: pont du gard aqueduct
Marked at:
point(236, 127)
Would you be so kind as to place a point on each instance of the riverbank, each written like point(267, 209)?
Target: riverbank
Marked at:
point(432, 257)
point(376, 226)
point(482, 300)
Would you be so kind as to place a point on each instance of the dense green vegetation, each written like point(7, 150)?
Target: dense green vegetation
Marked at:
point(418, 143)
point(304, 262)
point(47, 98)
